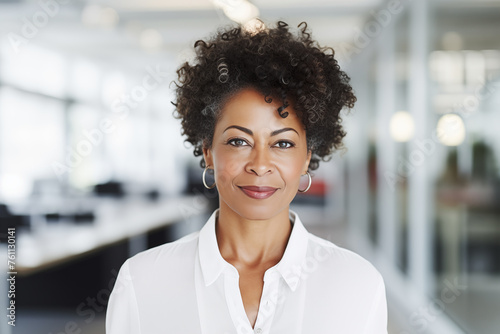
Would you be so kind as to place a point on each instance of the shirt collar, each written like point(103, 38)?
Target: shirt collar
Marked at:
point(289, 267)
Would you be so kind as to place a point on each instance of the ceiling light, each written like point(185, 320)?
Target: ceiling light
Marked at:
point(401, 126)
point(451, 130)
point(240, 11)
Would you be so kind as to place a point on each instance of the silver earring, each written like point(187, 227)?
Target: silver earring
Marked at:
point(203, 178)
point(309, 185)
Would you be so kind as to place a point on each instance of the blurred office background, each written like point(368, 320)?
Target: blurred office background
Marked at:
point(93, 168)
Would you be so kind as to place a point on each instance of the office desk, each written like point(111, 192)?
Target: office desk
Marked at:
point(50, 244)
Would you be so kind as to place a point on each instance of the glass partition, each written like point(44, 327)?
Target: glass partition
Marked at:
point(464, 68)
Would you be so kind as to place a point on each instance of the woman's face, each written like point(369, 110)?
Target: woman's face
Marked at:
point(245, 152)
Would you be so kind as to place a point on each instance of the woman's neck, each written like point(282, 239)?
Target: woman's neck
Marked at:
point(252, 243)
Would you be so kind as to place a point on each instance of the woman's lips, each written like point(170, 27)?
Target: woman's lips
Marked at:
point(258, 192)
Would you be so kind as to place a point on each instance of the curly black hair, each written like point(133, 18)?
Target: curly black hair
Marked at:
point(276, 63)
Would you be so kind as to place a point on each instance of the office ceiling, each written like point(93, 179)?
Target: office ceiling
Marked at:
point(144, 31)
point(176, 24)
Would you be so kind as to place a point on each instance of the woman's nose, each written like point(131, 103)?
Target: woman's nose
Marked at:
point(260, 161)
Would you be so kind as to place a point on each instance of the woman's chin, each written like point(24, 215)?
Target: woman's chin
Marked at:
point(256, 211)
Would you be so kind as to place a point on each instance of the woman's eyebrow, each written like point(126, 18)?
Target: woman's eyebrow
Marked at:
point(250, 132)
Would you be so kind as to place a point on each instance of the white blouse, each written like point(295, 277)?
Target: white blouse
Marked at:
point(186, 286)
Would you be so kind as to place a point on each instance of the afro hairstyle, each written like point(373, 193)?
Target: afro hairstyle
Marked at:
point(279, 64)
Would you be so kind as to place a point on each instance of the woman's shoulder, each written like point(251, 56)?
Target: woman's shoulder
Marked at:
point(339, 259)
point(178, 253)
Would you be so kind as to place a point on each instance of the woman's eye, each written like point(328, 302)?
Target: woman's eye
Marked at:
point(237, 141)
point(285, 143)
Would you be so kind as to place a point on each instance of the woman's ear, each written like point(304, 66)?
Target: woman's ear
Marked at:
point(207, 155)
point(309, 155)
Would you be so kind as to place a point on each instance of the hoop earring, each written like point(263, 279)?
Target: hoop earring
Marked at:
point(203, 178)
point(309, 185)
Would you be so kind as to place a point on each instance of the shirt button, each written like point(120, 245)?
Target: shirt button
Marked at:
point(258, 331)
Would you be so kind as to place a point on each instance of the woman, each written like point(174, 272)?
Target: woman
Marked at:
point(262, 108)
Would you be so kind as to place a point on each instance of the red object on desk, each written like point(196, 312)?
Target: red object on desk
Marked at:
point(318, 188)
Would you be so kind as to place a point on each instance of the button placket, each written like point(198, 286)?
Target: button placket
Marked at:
point(267, 307)
point(234, 302)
